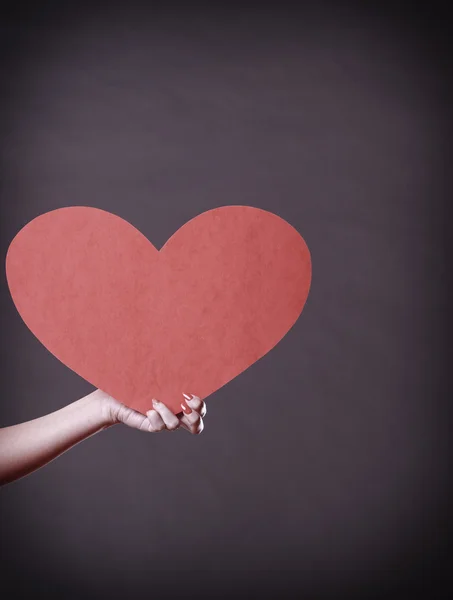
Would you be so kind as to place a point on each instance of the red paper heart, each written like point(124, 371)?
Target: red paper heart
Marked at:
point(140, 323)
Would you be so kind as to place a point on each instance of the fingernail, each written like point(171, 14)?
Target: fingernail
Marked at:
point(186, 409)
point(155, 402)
point(187, 397)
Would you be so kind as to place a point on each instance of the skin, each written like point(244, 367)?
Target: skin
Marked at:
point(26, 447)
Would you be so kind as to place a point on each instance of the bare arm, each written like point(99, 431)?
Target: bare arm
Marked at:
point(29, 446)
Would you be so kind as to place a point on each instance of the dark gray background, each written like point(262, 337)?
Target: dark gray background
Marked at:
point(323, 469)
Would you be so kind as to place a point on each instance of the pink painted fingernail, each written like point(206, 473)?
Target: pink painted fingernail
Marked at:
point(185, 409)
point(187, 397)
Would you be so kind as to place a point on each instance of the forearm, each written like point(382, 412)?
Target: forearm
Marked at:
point(28, 446)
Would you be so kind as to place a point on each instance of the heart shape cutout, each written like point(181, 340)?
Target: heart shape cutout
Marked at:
point(140, 323)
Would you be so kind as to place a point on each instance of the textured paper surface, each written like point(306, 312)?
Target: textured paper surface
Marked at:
point(140, 323)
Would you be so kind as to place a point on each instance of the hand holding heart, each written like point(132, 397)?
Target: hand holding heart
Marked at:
point(142, 324)
point(160, 417)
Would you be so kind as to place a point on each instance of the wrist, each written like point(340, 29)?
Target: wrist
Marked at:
point(105, 408)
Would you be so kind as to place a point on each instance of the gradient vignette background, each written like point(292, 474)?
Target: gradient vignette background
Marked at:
point(324, 470)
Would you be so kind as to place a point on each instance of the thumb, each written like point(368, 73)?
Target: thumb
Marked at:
point(132, 418)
